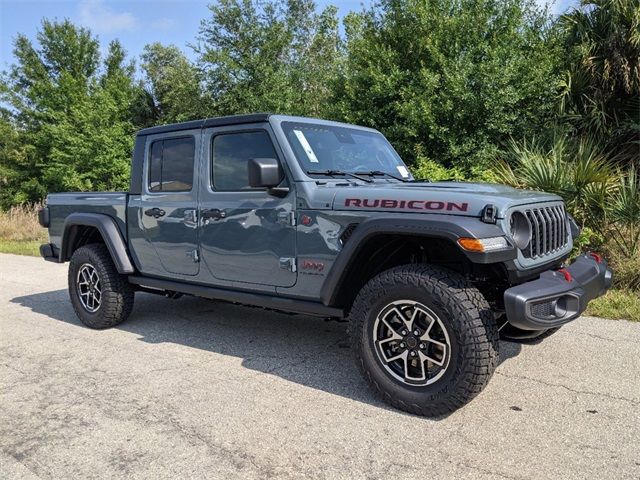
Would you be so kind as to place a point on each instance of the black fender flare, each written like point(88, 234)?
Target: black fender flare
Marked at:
point(448, 227)
point(107, 227)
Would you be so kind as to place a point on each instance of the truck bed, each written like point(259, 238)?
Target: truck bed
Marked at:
point(61, 205)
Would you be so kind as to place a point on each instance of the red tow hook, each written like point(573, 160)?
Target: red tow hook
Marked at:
point(596, 257)
point(567, 275)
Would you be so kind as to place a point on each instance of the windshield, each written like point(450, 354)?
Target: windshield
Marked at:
point(322, 149)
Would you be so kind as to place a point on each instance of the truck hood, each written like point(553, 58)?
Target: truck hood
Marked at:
point(452, 198)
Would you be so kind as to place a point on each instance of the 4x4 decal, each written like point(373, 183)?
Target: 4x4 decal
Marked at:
point(402, 204)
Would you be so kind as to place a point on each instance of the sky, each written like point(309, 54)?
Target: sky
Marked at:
point(135, 22)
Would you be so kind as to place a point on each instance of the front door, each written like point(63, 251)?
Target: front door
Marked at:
point(169, 202)
point(247, 235)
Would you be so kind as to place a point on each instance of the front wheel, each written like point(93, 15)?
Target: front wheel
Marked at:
point(100, 296)
point(424, 338)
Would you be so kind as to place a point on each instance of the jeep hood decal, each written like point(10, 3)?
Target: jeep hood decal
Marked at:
point(452, 198)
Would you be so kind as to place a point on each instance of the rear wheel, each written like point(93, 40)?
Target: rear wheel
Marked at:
point(424, 339)
point(100, 296)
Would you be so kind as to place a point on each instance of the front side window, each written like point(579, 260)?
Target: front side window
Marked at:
point(171, 165)
point(230, 156)
point(320, 147)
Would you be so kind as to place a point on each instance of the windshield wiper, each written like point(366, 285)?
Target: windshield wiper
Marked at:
point(421, 180)
point(373, 173)
point(338, 173)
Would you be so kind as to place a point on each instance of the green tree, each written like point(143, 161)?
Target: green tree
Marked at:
point(18, 172)
point(601, 93)
point(71, 112)
point(174, 85)
point(450, 80)
point(273, 55)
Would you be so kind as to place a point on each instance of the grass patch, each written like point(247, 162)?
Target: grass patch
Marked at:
point(20, 232)
point(23, 247)
point(21, 223)
point(617, 305)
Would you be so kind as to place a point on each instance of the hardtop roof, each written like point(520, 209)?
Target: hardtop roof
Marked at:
point(206, 122)
point(238, 120)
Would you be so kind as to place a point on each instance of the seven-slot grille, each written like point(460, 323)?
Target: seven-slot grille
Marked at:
point(548, 231)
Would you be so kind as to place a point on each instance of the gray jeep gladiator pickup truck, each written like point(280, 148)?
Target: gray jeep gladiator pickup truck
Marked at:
point(323, 218)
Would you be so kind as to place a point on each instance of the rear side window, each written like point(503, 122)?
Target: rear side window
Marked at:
point(231, 153)
point(171, 165)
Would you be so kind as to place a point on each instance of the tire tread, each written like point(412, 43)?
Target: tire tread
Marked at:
point(455, 296)
point(117, 294)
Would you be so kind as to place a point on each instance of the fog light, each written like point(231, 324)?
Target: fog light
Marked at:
point(560, 307)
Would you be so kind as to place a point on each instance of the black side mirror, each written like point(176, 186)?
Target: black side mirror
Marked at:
point(264, 172)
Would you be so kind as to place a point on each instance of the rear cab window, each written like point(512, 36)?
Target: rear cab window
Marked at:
point(171, 165)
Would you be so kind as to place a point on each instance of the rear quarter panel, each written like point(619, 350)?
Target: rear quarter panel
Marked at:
point(61, 205)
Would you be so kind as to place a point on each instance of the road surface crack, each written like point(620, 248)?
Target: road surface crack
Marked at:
point(573, 390)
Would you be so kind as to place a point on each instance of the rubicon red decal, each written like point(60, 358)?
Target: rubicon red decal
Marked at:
point(406, 204)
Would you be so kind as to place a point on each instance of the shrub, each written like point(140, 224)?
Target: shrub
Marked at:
point(626, 268)
point(623, 208)
point(579, 172)
point(427, 169)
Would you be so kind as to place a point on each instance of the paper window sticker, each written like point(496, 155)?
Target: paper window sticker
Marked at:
point(305, 145)
point(403, 171)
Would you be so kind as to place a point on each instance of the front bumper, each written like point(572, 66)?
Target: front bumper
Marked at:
point(557, 297)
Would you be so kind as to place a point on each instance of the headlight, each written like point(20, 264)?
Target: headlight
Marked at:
point(519, 229)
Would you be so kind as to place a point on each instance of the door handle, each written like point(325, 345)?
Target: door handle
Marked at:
point(155, 212)
point(212, 214)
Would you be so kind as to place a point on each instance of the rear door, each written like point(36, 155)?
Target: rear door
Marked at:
point(247, 235)
point(169, 201)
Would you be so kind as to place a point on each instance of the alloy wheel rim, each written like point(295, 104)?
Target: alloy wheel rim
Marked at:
point(411, 343)
point(89, 288)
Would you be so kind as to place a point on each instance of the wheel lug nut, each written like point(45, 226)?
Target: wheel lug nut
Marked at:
point(402, 345)
point(422, 346)
point(416, 332)
point(404, 332)
point(413, 354)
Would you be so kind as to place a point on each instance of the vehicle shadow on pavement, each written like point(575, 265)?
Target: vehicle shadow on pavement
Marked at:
point(301, 349)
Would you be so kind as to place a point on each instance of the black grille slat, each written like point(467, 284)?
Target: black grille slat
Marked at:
point(559, 227)
point(548, 231)
point(552, 229)
point(555, 229)
point(535, 232)
point(543, 230)
point(563, 225)
point(558, 215)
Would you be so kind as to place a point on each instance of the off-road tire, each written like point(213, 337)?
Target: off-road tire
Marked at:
point(469, 322)
point(117, 295)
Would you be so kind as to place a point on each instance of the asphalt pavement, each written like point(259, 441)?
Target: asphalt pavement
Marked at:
point(192, 388)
